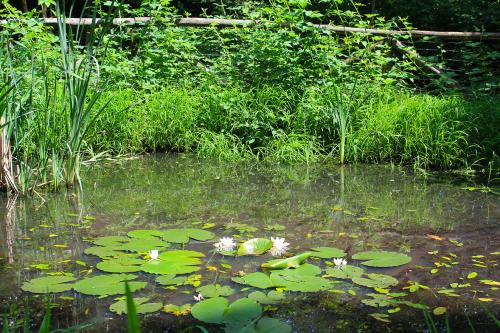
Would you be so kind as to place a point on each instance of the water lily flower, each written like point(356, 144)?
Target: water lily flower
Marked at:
point(153, 254)
point(225, 244)
point(279, 247)
point(339, 262)
point(198, 297)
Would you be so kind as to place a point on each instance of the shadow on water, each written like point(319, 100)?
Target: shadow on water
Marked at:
point(354, 208)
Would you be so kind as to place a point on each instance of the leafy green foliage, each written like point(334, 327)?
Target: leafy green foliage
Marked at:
point(374, 280)
point(272, 297)
point(382, 258)
point(215, 290)
point(48, 284)
point(174, 262)
point(345, 272)
point(327, 252)
point(105, 285)
point(121, 265)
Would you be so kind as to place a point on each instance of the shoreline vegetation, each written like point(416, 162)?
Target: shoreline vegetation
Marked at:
point(282, 93)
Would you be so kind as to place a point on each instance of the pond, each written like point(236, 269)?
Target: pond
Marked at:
point(449, 234)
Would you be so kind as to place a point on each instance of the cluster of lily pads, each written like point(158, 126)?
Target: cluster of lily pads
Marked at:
point(149, 251)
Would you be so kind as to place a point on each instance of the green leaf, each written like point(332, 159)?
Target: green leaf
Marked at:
point(301, 283)
point(439, 310)
point(242, 311)
point(174, 262)
point(327, 252)
point(171, 280)
point(271, 325)
point(376, 281)
point(182, 236)
point(345, 272)
point(177, 310)
point(255, 246)
point(210, 310)
point(142, 307)
point(104, 252)
point(472, 275)
point(256, 279)
point(105, 285)
point(294, 261)
point(272, 297)
point(121, 265)
point(111, 241)
point(215, 290)
point(144, 245)
point(145, 234)
point(48, 284)
point(133, 323)
point(382, 258)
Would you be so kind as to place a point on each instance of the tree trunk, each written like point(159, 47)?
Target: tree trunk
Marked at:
point(24, 6)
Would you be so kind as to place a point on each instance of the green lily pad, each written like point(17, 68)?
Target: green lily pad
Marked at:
point(272, 297)
point(300, 283)
point(345, 272)
point(327, 252)
point(255, 246)
point(48, 284)
point(270, 325)
point(171, 280)
point(256, 279)
point(141, 306)
point(294, 261)
point(174, 262)
point(177, 310)
point(145, 234)
point(110, 241)
point(121, 265)
point(144, 245)
point(210, 310)
point(376, 281)
point(382, 258)
point(241, 312)
point(215, 290)
point(104, 252)
point(379, 300)
point(105, 285)
point(182, 236)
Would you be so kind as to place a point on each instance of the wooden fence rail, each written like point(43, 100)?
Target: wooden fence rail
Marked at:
point(206, 22)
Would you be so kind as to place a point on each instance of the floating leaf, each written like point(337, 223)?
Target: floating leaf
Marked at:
point(327, 252)
point(105, 285)
point(271, 325)
point(344, 272)
point(379, 301)
point(215, 290)
point(272, 297)
point(111, 241)
point(177, 310)
point(174, 262)
point(439, 310)
point(144, 245)
point(171, 280)
point(182, 236)
point(120, 307)
point(382, 258)
point(472, 275)
point(145, 234)
point(104, 252)
point(294, 261)
point(376, 281)
point(48, 284)
point(241, 312)
point(490, 282)
point(302, 279)
point(383, 317)
point(256, 279)
point(121, 265)
point(255, 246)
point(210, 310)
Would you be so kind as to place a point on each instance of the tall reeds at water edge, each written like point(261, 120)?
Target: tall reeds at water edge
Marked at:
point(46, 115)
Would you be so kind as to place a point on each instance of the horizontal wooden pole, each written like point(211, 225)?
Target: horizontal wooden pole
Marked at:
point(207, 22)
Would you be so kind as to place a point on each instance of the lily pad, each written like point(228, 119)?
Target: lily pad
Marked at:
point(141, 306)
point(327, 252)
point(271, 325)
point(256, 279)
point(145, 234)
point(272, 297)
point(171, 280)
point(215, 290)
point(300, 283)
point(291, 262)
point(376, 281)
point(111, 241)
point(121, 265)
point(210, 310)
point(174, 262)
point(182, 236)
point(345, 272)
point(255, 246)
point(382, 258)
point(241, 312)
point(177, 310)
point(104, 252)
point(105, 285)
point(48, 284)
point(144, 245)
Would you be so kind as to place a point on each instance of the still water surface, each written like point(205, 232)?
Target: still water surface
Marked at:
point(354, 208)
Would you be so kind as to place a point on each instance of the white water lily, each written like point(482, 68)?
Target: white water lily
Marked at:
point(225, 244)
point(279, 247)
point(339, 262)
point(198, 297)
point(153, 254)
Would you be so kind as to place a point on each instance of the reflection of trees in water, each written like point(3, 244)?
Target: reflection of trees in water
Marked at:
point(9, 225)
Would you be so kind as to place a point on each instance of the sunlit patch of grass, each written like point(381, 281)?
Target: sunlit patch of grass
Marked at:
point(293, 148)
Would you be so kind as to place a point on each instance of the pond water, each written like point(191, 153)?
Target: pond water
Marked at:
point(451, 233)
